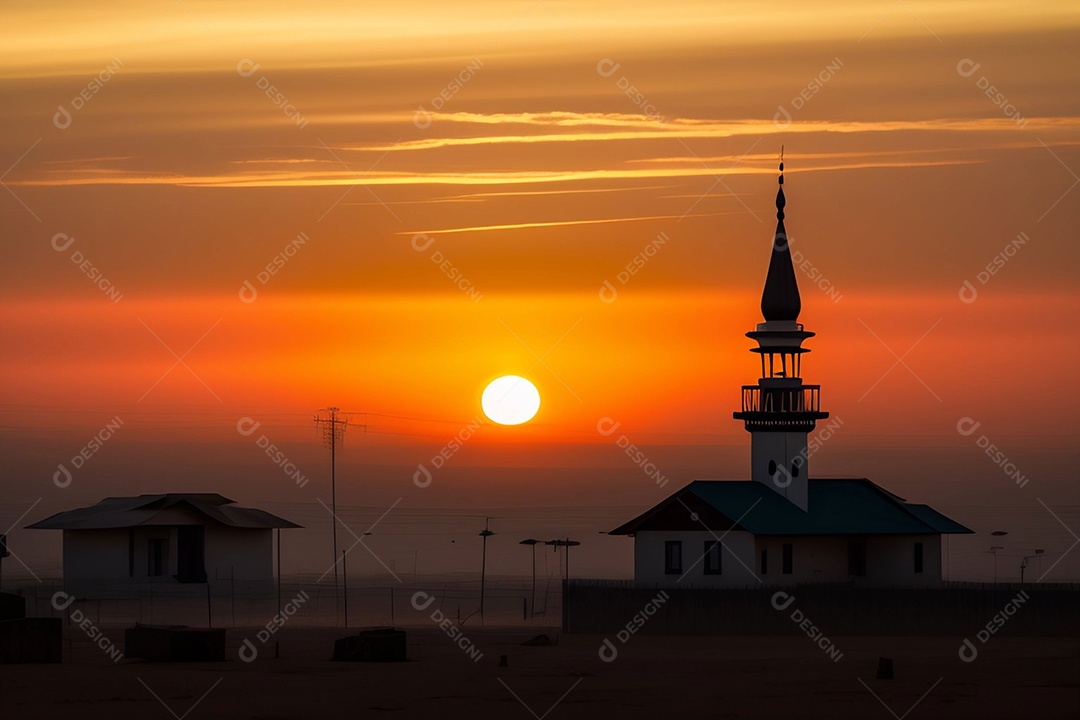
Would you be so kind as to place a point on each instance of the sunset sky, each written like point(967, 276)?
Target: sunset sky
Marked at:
point(451, 191)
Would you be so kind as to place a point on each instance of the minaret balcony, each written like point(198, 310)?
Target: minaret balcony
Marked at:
point(780, 407)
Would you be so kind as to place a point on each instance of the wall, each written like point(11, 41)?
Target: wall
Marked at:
point(605, 608)
point(893, 560)
point(96, 554)
point(102, 555)
point(244, 552)
point(736, 555)
point(890, 560)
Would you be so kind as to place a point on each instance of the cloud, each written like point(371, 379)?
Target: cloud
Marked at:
point(556, 223)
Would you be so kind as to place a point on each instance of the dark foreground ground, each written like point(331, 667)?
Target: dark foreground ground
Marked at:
point(659, 678)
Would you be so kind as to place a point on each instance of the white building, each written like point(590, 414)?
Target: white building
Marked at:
point(174, 537)
point(780, 527)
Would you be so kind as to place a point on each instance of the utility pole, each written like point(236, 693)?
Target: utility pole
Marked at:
point(333, 426)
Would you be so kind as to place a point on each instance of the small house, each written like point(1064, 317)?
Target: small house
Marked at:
point(171, 537)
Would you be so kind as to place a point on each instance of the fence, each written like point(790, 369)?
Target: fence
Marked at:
point(224, 603)
point(599, 607)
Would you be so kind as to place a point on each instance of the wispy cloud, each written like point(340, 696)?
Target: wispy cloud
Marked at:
point(646, 161)
point(556, 223)
point(266, 180)
point(617, 127)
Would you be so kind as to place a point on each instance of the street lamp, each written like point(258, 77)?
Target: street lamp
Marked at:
point(567, 543)
point(994, 549)
point(485, 534)
point(1024, 562)
point(533, 543)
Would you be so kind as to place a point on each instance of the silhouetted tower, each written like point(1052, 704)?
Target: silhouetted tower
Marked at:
point(780, 411)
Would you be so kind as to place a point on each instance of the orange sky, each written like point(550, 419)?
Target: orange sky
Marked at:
point(539, 148)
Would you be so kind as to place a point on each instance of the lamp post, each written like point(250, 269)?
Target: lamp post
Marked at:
point(532, 543)
point(1024, 562)
point(485, 534)
point(994, 550)
point(567, 543)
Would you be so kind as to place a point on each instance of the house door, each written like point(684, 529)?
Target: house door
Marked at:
point(190, 554)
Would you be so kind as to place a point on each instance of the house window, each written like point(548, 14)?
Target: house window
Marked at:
point(857, 559)
point(673, 557)
point(788, 560)
point(712, 558)
point(764, 562)
point(918, 557)
point(156, 557)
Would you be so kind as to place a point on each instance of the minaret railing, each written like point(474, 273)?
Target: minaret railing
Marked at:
point(781, 400)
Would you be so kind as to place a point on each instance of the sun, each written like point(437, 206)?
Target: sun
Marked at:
point(510, 400)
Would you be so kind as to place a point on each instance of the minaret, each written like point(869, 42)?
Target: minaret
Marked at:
point(779, 412)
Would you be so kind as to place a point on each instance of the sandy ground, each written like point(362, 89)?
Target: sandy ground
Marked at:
point(652, 677)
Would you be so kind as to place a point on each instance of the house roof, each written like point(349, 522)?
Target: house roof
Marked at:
point(122, 512)
point(835, 507)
